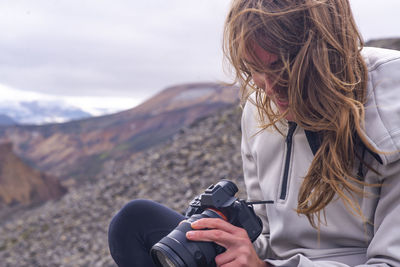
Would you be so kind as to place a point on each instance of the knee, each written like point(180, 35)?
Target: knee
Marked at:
point(125, 229)
point(136, 207)
point(131, 215)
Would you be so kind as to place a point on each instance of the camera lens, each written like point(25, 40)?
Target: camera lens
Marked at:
point(167, 261)
point(176, 250)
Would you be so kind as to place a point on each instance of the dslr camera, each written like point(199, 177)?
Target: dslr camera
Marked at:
point(218, 201)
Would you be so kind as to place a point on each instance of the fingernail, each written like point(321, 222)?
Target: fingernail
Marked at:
point(189, 234)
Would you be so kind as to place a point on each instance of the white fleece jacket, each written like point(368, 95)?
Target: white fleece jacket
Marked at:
point(274, 170)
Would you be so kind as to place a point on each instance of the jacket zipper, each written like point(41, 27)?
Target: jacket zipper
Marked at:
point(289, 142)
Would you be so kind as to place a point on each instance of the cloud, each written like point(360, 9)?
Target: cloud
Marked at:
point(377, 19)
point(125, 48)
point(92, 47)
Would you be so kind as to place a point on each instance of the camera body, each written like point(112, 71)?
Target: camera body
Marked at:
point(220, 197)
point(217, 201)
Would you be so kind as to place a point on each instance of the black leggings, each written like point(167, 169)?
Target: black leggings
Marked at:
point(136, 228)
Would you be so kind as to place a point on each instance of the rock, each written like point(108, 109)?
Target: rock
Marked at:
point(73, 230)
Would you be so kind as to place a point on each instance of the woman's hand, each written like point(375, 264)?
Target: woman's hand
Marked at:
point(239, 249)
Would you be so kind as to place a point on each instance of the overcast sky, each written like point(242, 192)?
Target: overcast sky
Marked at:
point(126, 50)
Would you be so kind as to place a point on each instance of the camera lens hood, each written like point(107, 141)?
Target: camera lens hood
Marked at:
point(176, 250)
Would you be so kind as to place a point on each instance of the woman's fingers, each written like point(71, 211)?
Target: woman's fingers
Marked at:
point(239, 249)
point(212, 223)
point(225, 258)
point(221, 238)
point(241, 255)
point(218, 231)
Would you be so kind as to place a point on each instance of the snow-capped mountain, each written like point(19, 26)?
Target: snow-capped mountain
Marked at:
point(39, 112)
point(78, 149)
point(5, 120)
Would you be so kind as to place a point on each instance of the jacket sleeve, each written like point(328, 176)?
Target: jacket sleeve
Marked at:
point(251, 180)
point(385, 245)
point(384, 248)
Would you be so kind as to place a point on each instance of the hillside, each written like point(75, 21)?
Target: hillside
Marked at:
point(22, 186)
point(73, 231)
point(75, 151)
point(5, 120)
point(390, 43)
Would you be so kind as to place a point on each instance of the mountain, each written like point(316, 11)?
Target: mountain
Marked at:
point(21, 185)
point(41, 112)
point(73, 231)
point(75, 151)
point(390, 43)
point(5, 120)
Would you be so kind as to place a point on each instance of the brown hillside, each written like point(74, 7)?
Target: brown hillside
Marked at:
point(21, 185)
point(78, 149)
point(390, 43)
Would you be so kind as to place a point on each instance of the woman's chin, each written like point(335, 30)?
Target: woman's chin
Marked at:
point(289, 117)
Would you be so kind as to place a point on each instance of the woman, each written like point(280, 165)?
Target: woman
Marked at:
point(320, 137)
point(335, 182)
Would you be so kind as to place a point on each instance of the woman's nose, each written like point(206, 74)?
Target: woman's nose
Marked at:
point(258, 79)
point(269, 91)
point(261, 82)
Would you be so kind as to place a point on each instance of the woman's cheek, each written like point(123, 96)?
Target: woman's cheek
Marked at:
point(258, 79)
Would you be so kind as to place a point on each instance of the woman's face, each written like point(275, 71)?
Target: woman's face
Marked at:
point(279, 97)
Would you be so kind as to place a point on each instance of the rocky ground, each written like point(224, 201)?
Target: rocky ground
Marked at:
point(73, 230)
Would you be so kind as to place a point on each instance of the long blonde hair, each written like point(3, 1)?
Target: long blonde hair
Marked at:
point(321, 71)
